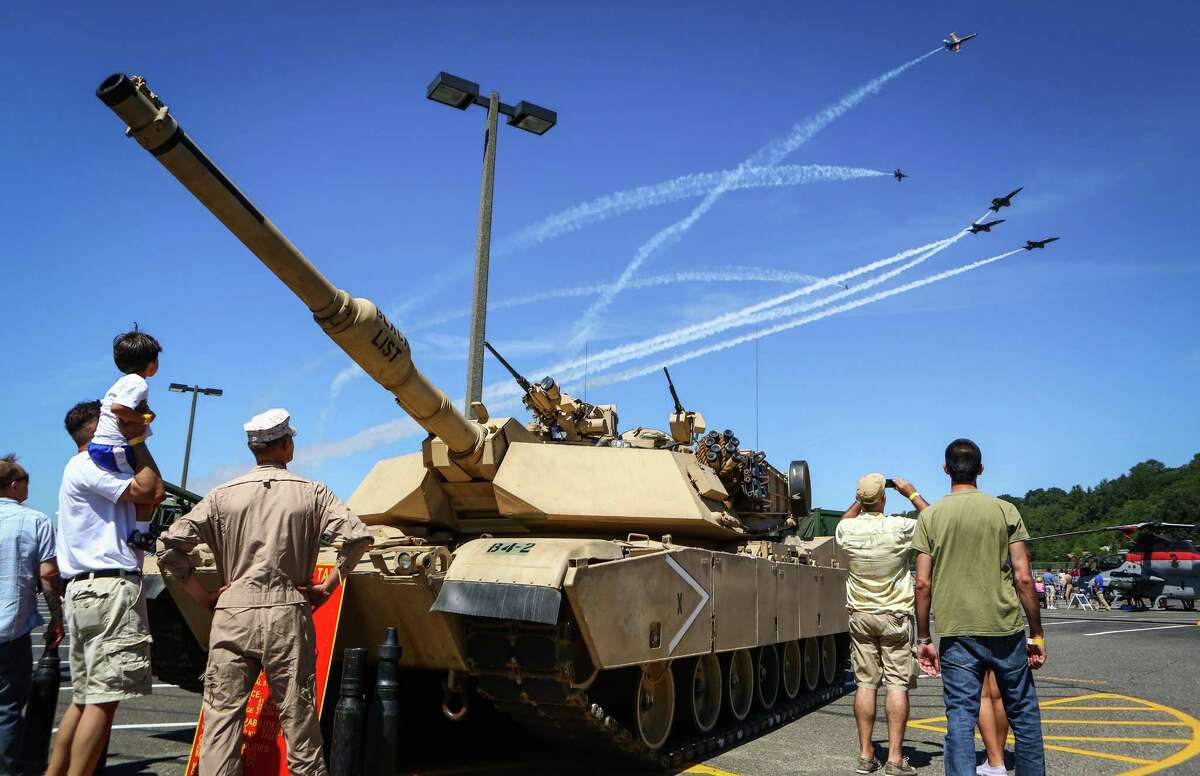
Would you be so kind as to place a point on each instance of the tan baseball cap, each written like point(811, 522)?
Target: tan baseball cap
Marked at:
point(268, 426)
point(870, 488)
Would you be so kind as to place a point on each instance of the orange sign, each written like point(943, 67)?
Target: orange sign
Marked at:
point(264, 751)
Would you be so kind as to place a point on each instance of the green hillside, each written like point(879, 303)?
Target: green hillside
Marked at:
point(1149, 491)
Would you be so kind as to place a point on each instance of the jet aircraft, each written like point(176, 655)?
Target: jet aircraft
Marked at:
point(1005, 201)
point(954, 43)
point(1156, 568)
point(977, 227)
point(900, 174)
point(1031, 244)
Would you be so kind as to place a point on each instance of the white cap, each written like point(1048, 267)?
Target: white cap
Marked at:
point(268, 426)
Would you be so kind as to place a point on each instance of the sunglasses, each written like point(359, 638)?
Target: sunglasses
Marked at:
point(22, 478)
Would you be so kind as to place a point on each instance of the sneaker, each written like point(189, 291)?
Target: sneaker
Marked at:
point(867, 765)
point(991, 770)
point(901, 768)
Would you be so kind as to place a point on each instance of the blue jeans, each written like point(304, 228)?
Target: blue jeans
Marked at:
point(16, 675)
point(964, 661)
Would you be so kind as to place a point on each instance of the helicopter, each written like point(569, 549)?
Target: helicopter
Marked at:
point(1157, 567)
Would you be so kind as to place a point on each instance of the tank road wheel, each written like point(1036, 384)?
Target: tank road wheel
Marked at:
point(699, 683)
point(739, 684)
point(829, 659)
point(766, 676)
point(790, 668)
point(812, 664)
point(654, 704)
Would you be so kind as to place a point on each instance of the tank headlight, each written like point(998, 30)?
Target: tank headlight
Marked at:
point(406, 561)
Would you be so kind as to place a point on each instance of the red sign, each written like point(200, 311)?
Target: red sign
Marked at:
point(264, 752)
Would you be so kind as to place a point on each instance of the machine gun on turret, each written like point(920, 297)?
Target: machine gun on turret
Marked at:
point(685, 425)
point(558, 415)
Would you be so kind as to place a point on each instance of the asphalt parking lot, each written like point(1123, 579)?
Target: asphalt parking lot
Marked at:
point(1120, 695)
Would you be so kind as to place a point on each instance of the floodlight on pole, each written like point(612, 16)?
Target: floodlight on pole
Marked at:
point(195, 390)
point(460, 93)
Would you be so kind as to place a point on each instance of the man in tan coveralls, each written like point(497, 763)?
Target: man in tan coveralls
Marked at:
point(264, 529)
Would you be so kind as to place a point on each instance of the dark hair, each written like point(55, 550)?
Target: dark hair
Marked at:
point(135, 350)
point(79, 416)
point(964, 460)
point(10, 470)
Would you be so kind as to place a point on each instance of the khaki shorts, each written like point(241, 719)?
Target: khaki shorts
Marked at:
point(110, 639)
point(881, 649)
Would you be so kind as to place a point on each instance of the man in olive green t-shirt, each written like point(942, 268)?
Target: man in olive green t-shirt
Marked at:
point(972, 558)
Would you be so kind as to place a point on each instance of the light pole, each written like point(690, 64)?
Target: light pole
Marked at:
point(195, 390)
point(461, 93)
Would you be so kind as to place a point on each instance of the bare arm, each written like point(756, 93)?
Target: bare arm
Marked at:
point(853, 511)
point(909, 491)
point(1027, 592)
point(927, 655)
point(52, 587)
point(146, 487)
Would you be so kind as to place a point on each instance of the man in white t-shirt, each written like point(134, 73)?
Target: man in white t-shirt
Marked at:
point(105, 605)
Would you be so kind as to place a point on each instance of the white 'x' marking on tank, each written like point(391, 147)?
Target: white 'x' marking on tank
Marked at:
point(695, 612)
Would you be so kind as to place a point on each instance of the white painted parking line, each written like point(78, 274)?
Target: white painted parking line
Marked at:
point(153, 687)
point(1046, 623)
point(149, 725)
point(1139, 630)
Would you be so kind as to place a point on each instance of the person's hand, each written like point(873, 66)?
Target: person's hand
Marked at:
point(927, 658)
point(904, 487)
point(1037, 655)
point(54, 633)
point(316, 594)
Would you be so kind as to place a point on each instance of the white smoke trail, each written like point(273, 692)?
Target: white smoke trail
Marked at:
point(352, 371)
point(732, 275)
point(683, 187)
point(629, 374)
point(769, 155)
point(768, 309)
point(392, 431)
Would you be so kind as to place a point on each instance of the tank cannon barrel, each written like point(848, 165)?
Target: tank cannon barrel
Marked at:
point(356, 325)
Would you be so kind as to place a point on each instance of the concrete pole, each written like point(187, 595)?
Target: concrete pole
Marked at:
point(483, 247)
point(187, 450)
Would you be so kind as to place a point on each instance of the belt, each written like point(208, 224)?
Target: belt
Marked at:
point(123, 573)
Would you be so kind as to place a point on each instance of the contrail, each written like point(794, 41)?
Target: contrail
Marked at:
point(629, 374)
point(768, 309)
point(769, 155)
point(731, 275)
point(391, 431)
point(352, 371)
point(683, 187)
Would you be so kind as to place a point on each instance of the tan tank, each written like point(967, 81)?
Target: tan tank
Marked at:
point(642, 593)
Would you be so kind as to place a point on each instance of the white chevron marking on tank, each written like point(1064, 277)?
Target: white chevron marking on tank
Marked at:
point(695, 612)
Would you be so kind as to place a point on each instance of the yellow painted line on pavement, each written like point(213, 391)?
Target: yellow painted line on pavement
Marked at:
point(1190, 750)
point(711, 771)
point(1121, 758)
point(1103, 708)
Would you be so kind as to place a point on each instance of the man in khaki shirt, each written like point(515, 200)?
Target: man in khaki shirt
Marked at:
point(879, 596)
point(264, 528)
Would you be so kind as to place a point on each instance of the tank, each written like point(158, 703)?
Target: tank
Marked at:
point(643, 594)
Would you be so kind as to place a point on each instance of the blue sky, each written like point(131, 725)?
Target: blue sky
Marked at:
point(1067, 365)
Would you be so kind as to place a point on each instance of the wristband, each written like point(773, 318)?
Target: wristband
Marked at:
point(1040, 641)
point(913, 498)
point(147, 417)
point(136, 441)
point(924, 642)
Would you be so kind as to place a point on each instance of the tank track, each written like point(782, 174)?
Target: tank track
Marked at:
point(545, 704)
